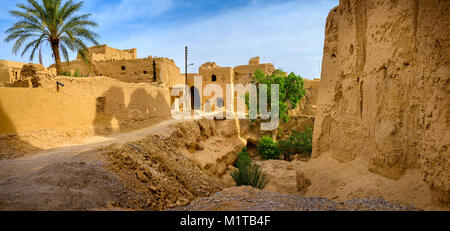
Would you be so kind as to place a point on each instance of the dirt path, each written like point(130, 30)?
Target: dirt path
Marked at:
point(45, 157)
point(71, 177)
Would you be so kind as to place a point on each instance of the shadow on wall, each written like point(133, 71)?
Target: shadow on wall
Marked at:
point(113, 115)
point(11, 145)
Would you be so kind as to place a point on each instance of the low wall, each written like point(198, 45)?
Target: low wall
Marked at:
point(97, 105)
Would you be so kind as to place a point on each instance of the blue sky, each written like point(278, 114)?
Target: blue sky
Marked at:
point(289, 34)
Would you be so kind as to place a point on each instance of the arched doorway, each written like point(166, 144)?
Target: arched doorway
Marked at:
point(195, 101)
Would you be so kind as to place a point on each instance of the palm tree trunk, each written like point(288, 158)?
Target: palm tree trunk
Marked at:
point(55, 49)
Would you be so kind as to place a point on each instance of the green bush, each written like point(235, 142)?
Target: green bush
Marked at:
point(298, 142)
point(77, 73)
point(268, 148)
point(66, 73)
point(243, 159)
point(251, 175)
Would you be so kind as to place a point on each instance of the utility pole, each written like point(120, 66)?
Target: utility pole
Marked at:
point(185, 67)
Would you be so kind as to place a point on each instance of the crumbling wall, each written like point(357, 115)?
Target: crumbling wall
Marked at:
point(145, 70)
point(243, 74)
point(10, 71)
point(384, 93)
point(213, 74)
point(103, 52)
point(210, 72)
point(37, 76)
point(82, 107)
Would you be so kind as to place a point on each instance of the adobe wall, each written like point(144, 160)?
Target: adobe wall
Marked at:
point(131, 70)
point(384, 93)
point(103, 52)
point(227, 75)
point(83, 107)
point(243, 74)
point(223, 75)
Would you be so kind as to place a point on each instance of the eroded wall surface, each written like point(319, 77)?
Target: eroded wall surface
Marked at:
point(103, 52)
point(384, 92)
point(144, 70)
point(10, 71)
point(211, 73)
point(87, 106)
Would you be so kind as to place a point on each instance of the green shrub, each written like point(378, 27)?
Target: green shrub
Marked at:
point(243, 159)
point(251, 175)
point(268, 148)
point(298, 142)
point(66, 73)
point(77, 73)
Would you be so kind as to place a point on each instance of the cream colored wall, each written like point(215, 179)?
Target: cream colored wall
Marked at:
point(168, 72)
point(10, 71)
point(223, 75)
point(242, 74)
point(103, 52)
point(4, 72)
point(136, 70)
point(227, 75)
point(76, 106)
point(313, 87)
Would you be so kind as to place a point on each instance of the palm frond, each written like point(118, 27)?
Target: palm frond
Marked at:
point(55, 22)
point(65, 53)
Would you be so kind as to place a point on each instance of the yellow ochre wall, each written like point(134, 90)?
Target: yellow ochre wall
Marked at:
point(97, 102)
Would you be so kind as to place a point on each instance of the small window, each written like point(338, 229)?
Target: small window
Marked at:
point(145, 72)
point(214, 78)
point(101, 103)
point(123, 68)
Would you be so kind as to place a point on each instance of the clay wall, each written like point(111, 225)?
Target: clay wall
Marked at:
point(384, 93)
point(131, 70)
point(91, 106)
point(10, 71)
point(103, 52)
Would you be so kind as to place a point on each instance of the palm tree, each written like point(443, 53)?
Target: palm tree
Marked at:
point(53, 22)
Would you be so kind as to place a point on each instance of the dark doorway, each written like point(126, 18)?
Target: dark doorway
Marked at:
point(195, 99)
point(214, 78)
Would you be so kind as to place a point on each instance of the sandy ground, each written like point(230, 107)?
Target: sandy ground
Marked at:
point(67, 178)
point(77, 177)
point(350, 180)
point(246, 198)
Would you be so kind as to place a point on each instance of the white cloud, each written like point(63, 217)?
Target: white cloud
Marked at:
point(290, 35)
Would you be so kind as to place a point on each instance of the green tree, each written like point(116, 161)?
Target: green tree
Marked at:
point(291, 90)
point(54, 22)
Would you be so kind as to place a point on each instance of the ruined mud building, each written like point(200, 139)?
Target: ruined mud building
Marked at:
point(10, 71)
point(124, 65)
point(210, 72)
